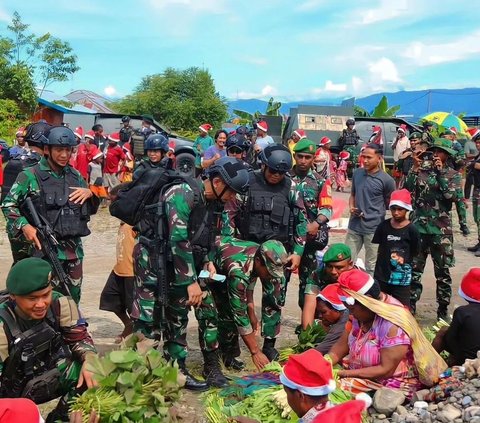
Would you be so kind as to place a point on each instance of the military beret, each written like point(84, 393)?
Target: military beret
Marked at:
point(337, 252)
point(415, 136)
point(29, 275)
point(305, 146)
point(275, 257)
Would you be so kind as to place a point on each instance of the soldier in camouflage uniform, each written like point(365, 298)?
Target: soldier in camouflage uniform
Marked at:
point(192, 215)
point(272, 209)
point(43, 340)
point(242, 262)
point(317, 197)
point(434, 187)
point(62, 197)
point(348, 141)
point(336, 260)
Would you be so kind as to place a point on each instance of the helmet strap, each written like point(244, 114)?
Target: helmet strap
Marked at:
point(219, 196)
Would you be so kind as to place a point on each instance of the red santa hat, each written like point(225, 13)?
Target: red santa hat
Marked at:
point(97, 154)
point(344, 155)
point(355, 280)
point(308, 373)
point(78, 132)
point(348, 412)
point(325, 141)
point(19, 410)
point(474, 132)
point(171, 146)
point(470, 286)
point(205, 127)
point(401, 198)
point(329, 294)
point(402, 128)
point(300, 133)
point(262, 125)
point(115, 137)
point(90, 134)
point(20, 132)
point(376, 129)
point(453, 129)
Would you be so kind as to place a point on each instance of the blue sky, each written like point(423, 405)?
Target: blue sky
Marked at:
point(303, 49)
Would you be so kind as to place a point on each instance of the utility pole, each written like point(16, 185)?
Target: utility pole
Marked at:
point(429, 100)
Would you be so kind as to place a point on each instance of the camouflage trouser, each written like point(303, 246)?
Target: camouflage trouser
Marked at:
point(307, 265)
point(462, 212)
point(440, 247)
point(176, 312)
point(273, 299)
point(20, 248)
point(476, 209)
point(74, 269)
point(353, 155)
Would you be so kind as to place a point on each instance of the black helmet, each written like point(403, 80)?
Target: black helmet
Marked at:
point(236, 140)
point(277, 157)
point(36, 133)
point(242, 130)
point(125, 119)
point(233, 172)
point(157, 142)
point(61, 135)
point(350, 121)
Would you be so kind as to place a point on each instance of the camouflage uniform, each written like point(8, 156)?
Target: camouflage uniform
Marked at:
point(69, 251)
point(179, 203)
point(235, 259)
point(317, 197)
point(73, 329)
point(433, 193)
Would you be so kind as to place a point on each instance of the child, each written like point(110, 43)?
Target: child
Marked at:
point(117, 295)
point(398, 241)
point(341, 173)
point(95, 178)
point(462, 338)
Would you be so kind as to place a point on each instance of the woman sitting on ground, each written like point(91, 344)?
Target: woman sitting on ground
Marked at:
point(333, 315)
point(385, 347)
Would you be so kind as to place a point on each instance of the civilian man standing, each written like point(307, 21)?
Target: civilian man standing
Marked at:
point(369, 199)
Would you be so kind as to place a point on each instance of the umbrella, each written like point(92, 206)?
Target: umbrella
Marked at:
point(447, 120)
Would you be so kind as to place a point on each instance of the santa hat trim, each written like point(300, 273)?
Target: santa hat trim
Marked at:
point(339, 307)
point(203, 129)
point(401, 204)
point(365, 288)
point(97, 156)
point(262, 128)
point(313, 391)
point(298, 134)
point(89, 136)
point(465, 296)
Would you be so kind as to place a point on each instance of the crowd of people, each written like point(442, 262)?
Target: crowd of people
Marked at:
point(257, 211)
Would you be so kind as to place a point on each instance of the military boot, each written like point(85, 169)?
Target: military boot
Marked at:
point(475, 248)
point(59, 413)
point(464, 229)
point(191, 382)
point(442, 312)
point(233, 363)
point(269, 349)
point(212, 371)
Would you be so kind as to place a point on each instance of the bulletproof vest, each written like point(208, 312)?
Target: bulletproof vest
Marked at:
point(14, 167)
point(125, 134)
point(67, 219)
point(350, 137)
point(203, 227)
point(30, 370)
point(266, 214)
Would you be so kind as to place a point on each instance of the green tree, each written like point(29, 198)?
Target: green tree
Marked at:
point(181, 99)
point(10, 118)
point(381, 110)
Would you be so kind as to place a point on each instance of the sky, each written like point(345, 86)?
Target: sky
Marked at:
point(291, 50)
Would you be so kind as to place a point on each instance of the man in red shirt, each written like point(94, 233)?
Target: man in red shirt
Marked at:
point(114, 158)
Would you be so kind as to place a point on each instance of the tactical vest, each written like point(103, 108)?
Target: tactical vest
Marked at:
point(125, 134)
point(350, 137)
point(30, 370)
point(203, 227)
point(67, 219)
point(266, 213)
point(13, 168)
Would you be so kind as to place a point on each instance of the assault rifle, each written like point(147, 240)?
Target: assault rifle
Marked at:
point(49, 244)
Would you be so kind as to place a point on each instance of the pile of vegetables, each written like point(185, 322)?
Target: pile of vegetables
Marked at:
point(431, 332)
point(136, 384)
point(307, 338)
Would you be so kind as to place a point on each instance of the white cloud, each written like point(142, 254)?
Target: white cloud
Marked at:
point(4, 16)
point(386, 10)
point(357, 84)
point(258, 61)
point(191, 6)
point(265, 92)
point(423, 54)
point(268, 90)
point(329, 88)
point(384, 70)
point(110, 91)
point(308, 5)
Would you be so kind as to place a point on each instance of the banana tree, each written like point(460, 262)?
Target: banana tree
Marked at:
point(273, 109)
point(381, 110)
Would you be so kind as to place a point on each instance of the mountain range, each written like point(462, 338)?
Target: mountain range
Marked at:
point(413, 104)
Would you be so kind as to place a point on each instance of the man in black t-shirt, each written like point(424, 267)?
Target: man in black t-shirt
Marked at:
point(398, 241)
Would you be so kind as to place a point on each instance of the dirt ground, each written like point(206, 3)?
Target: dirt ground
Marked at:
point(104, 326)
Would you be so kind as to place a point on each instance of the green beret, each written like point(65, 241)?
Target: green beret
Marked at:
point(443, 144)
point(275, 257)
point(415, 136)
point(29, 275)
point(337, 252)
point(305, 146)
